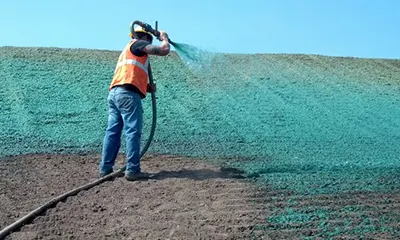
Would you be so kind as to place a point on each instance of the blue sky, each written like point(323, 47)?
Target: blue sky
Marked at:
point(369, 28)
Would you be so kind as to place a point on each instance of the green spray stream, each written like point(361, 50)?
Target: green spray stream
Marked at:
point(193, 57)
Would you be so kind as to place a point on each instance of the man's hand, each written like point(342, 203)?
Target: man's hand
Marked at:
point(151, 87)
point(163, 36)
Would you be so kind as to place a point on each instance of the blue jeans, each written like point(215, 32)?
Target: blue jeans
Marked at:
point(125, 112)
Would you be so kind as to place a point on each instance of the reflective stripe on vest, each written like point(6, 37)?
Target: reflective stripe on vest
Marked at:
point(144, 67)
point(131, 69)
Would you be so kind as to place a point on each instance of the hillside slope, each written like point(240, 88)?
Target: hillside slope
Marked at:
point(280, 110)
point(303, 124)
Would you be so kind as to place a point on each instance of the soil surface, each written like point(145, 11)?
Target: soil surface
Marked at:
point(186, 199)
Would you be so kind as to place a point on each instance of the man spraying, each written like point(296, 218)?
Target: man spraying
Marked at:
point(128, 87)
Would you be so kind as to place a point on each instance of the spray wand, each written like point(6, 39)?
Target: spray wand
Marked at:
point(149, 29)
point(188, 53)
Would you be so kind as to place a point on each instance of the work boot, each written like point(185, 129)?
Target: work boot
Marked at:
point(136, 176)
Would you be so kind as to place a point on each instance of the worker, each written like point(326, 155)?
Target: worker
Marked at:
point(127, 89)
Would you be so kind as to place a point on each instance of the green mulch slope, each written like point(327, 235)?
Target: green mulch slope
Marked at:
point(305, 123)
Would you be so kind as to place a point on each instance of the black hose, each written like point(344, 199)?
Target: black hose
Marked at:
point(154, 114)
point(30, 216)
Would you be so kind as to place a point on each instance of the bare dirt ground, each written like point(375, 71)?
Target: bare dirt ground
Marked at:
point(186, 199)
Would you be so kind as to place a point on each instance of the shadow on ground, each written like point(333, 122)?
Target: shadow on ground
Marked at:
point(200, 174)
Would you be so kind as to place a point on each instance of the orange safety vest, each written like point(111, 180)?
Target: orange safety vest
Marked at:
point(131, 69)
